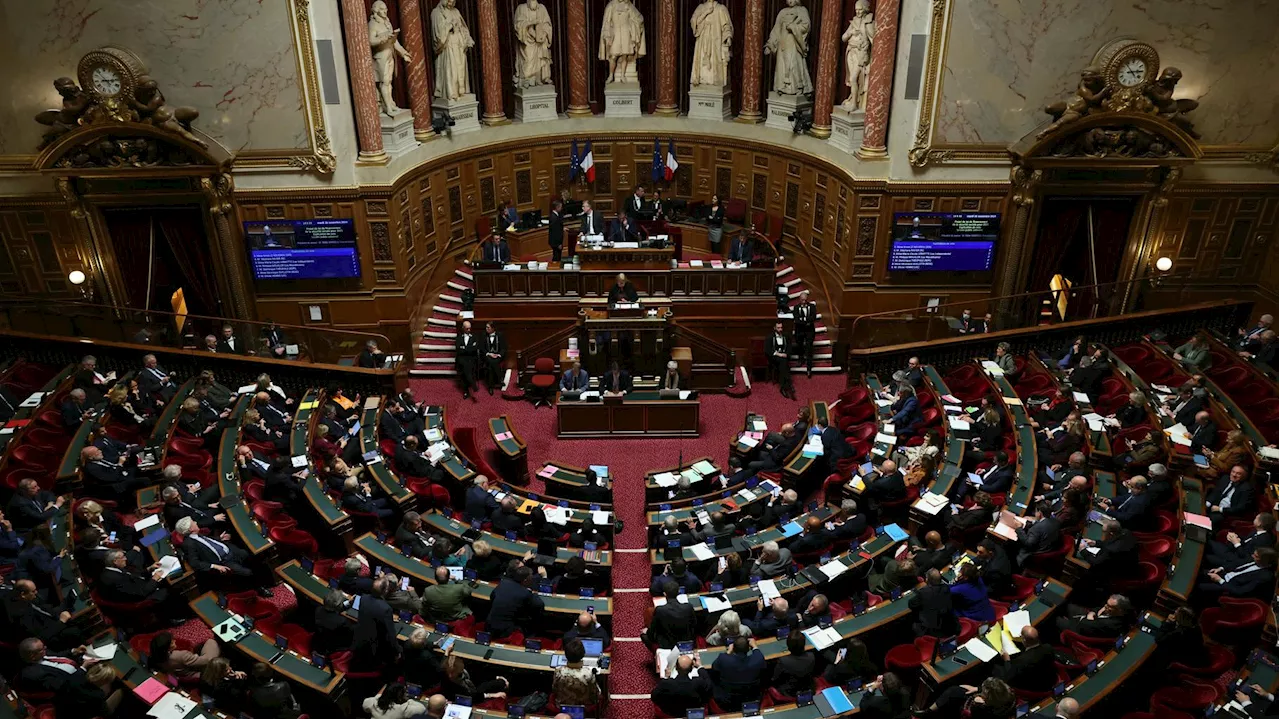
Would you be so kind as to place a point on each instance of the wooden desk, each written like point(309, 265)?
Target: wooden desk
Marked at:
point(246, 527)
point(728, 501)
point(495, 285)
point(656, 493)
point(515, 453)
point(1184, 567)
point(333, 516)
point(617, 258)
point(639, 414)
point(514, 548)
point(377, 468)
point(745, 544)
point(798, 465)
point(1119, 665)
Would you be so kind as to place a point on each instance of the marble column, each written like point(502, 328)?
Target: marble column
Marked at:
point(884, 53)
point(411, 33)
point(579, 106)
point(491, 63)
point(752, 62)
point(668, 100)
point(824, 85)
point(364, 93)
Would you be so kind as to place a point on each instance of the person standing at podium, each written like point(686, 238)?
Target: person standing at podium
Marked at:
point(495, 250)
point(672, 378)
point(467, 351)
point(592, 222)
point(740, 250)
point(715, 224)
point(616, 380)
point(494, 351)
point(779, 348)
point(622, 291)
point(805, 315)
point(555, 229)
point(575, 379)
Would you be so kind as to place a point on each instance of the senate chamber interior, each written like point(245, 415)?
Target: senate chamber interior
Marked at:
point(600, 359)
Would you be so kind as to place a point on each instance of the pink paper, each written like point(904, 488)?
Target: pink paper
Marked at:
point(1197, 520)
point(755, 435)
point(503, 436)
point(546, 471)
point(151, 690)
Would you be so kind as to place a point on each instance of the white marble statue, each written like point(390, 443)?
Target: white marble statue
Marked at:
point(713, 35)
point(857, 54)
point(789, 44)
point(622, 40)
point(451, 39)
point(385, 43)
point(533, 33)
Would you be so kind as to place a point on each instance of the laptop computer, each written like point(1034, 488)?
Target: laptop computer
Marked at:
point(593, 647)
point(546, 554)
point(668, 394)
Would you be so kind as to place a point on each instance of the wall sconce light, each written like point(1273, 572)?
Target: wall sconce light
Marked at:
point(80, 281)
point(1162, 265)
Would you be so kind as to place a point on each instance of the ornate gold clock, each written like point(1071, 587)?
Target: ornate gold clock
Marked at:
point(1128, 67)
point(110, 75)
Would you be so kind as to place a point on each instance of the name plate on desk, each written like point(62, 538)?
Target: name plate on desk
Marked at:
point(626, 245)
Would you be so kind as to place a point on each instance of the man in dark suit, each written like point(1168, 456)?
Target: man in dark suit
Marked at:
point(1038, 536)
point(109, 480)
point(1088, 376)
point(273, 338)
point(120, 583)
point(1232, 497)
point(358, 496)
point(672, 623)
point(739, 674)
point(506, 519)
point(906, 412)
point(995, 567)
point(479, 503)
point(389, 424)
point(969, 325)
point(375, 641)
point(57, 674)
point(1077, 466)
point(229, 343)
point(999, 476)
point(409, 459)
point(1033, 668)
point(680, 691)
point(30, 507)
point(626, 229)
point(885, 485)
point(1186, 405)
point(351, 582)
point(834, 448)
point(467, 357)
point(934, 554)
point(592, 221)
point(513, 605)
point(1237, 550)
point(935, 617)
point(778, 347)
point(912, 374)
point(1117, 556)
point(741, 249)
point(777, 447)
point(154, 381)
point(574, 379)
point(623, 291)
point(637, 206)
point(493, 350)
point(616, 380)
point(1109, 620)
point(677, 571)
point(334, 632)
point(495, 250)
point(176, 509)
point(1132, 509)
point(1254, 579)
point(1204, 433)
point(411, 534)
point(371, 357)
point(217, 557)
point(75, 410)
point(555, 229)
point(804, 316)
point(813, 539)
point(24, 611)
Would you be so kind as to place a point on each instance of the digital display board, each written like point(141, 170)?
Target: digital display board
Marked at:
point(302, 249)
point(943, 242)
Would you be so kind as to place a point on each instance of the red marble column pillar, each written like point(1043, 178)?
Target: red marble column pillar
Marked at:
point(668, 99)
point(824, 85)
point(418, 76)
point(579, 105)
point(884, 53)
point(491, 63)
point(364, 91)
point(752, 62)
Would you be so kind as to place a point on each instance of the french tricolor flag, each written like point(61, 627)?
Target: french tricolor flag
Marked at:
point(588, 163)
point(672, 165)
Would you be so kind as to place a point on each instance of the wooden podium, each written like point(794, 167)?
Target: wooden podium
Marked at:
point(641, 330)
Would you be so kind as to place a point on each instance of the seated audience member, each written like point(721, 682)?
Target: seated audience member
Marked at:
point(575, 379)
point(1138, 456)
point(886, 485)
point(682, 688)
point(769, 620)
point(1267, 352)
point(26, 615)
point(1031, 669)
point(419, 663)
point(334, 632)
point(1232, 497)
point(817, 609)
point(772, 562)
point(672, 622)
point(1061, 444)
point(586, 533)
point(413, 535)
point(193, 423)
point(76, 690)
point(1234, 451)
point(1194, 354)
point(1004, 359)
point(219, 558)
point(254, 428)
point(507, 519)
point(1116, 556)
point(1237, 550)
point(1255, 579)
point(1133, 412)
point(351, 580)
point(595, 490)
point(988, 436)
point(1159, 484)
point(886, 697)
point(912, 375)
point(727, 628)
point(480, 504)
point(410, 460)
point(934, 554)
point(109, 480)
point(1204, 433)
point(979, 515)
point(995, 567)
point(969, 595)
point(1077, 466)
point(1039, 536)
point(993, 700)
point(734, 574)
point(487, 565)
point(998, 478)
point(76, 410)
point(539, 527)
point(813, 539)
point(457, 681)
point(40, 562)
point(906, 412)
point(738, 675)
point(371, 357)
point(795, 671)
point(446, 600)
point(127, 413)
point(513, 605)
point(573, 684)
point(180, 663)
point(676, 571)
point(1110, 620)
point(268, 697)
point(1133, 508)
point(121, 583)
point(896, 575)
point(933, 609)
point(586, 627)
point(225, 686)
point(1178, 639)
point(393, 702)
point(1088, 376)
point(847, 524)
point(856, 664)
point(672, 531)
point(358, 497)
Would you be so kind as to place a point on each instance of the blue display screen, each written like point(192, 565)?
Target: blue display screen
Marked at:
point(944, 242)
point(302, 249)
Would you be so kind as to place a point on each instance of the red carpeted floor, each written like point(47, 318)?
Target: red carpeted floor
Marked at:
point(631, 675)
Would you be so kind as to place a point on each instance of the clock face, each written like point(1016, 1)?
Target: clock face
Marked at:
point(105, 81)
point(1133, 72)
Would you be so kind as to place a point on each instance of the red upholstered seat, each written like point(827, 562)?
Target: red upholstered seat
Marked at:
point(1049, 563)
point(543, 380)
point(1233, 619)
point(1217, 659)
point(464, 439)
point(294, 539)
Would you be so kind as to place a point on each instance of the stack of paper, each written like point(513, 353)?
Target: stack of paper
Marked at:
point(857, 484)
point(662, 479)
point(691, 475)
point(502, 436)
point(931, 503)
point(833, 569)
point(959, 424)
point(701, 551)
point(884, 402)
point(547, 471)
point(822, 638)
point(434, 434)
point(1015, 622)
point(557, 515)
point(601, 518)
point(888, 428)
point(953, 409)
point(714, 603)
point(812, 448)
point(882, 438)
point(170, 564)
point(768, 591)
point(704, 468)
point(748, 441)
point(146, 523)
point(1013, 401)
point(1269, 452)
point(759, 425)
point(105, 652)
point(172, 706)
point(992, 368)
point(980, 649)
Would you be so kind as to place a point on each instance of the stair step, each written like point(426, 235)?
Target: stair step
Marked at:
point(451, 298)
point(435, 360)
point(817, 370)
point(433, 372)
point(822, 343)
point(435, 334)
point(424, 347)
point(464, 274)
point(446, 310)
point(441, 322)
point(783, 270)
point(792, 283)
point(816, 356)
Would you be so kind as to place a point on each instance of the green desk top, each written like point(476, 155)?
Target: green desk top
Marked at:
point(875, 386)
point(653, 489)
point(748, 425)
point(748, 594)
point(60, 533)
point(387, 555)
point(169, 415)
point(48, 389)
point(70, 464)
point(1040, 607)
point(577, 515)
point(955, 447)
point(1104, 487)
point(1184, 568)
point(300, 446)
point(246, 527)
point(1020, 495)
point(512, 447)
point(525, 493)
point(1117, 666)
point(258, 647)
point(773, 534)
point(127, 669)
point(731, 504)
point(798, 464)
point(503, 654)
point(163, 547)
point(377, 469)
point(453, 528)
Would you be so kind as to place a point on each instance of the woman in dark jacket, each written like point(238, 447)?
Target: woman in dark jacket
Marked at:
point(540, 527)
point(1056, 410)
point(487, 565)
point(255, 428)
point(1062, 444)
point(1134, 411)
point(1071, 356)
point(988, 436)
point(886, 698)
point(587, 533)
point(224, 685)
point(133, 415)
point(39, 561)
point(794, 672)
point(856, 664)
point(735, 574)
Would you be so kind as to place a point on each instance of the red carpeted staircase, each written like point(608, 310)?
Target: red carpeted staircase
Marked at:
point(822, 357)
point(435, 354)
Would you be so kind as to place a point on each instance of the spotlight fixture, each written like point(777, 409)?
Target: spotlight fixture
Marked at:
point(440, 123)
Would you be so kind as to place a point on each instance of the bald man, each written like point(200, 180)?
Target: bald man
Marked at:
point(1068, 709)
point(1032, 669)
point(30, 617)
point(436, 706)
point(813, 540)
point(586, 627)
point(678, 691)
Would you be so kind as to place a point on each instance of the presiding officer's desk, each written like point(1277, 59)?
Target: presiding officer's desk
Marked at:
point(641, 414)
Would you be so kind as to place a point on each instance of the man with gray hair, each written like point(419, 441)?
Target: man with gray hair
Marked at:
point(1116, 556)
point(190, 492)
point(1133, 508)
point(333, 629)
point(768, 620)
point(848, 524)
point(1204, 433)
point(177, 509)
point(1077, 465)
point(1068, 708)
point(76, 410)
point(419, 662)
point(122, 583)
point(772, 562)
point(1110, 620)
point(155, 383)
point(351, 582)
point(1159, 484)
point(221, 562)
